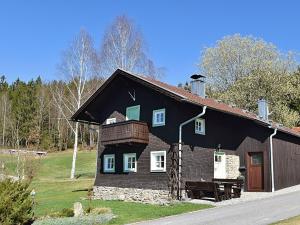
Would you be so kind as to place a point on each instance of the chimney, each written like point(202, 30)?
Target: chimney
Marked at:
point(198, 85)
point(263, 109)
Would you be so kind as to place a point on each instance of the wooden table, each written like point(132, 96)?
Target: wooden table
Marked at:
point(227, 188)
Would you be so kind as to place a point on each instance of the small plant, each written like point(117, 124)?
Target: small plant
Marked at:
point(88, 209)
point(66, 212)
point(84, 220)
point(102, 210)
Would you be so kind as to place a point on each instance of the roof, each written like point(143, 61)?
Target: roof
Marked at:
point(297, 129)
point(186, 96)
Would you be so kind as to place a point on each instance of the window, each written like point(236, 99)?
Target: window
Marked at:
point(158, 161)
point(200, 126)
point(129, 162)
point(109, 163)
point(257, 159)
point(218, 156)
point(133, 113)
point(158, 117)
point(111, 120)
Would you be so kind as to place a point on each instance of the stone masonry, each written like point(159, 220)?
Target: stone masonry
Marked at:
point(150, 196)
point(232, 166)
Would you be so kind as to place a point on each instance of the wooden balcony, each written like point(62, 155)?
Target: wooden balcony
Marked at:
point(127, 132)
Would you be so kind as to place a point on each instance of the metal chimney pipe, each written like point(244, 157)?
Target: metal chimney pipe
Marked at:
point(198, 85)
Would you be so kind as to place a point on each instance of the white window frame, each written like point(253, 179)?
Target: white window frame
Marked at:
point(154, 122)
point(105, 163)
point(202, 121)
point(111, 120)
point(126, 156)
point(153, 167)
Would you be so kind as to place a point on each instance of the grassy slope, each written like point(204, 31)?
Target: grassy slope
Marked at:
point(55, 191)
point(291, 221)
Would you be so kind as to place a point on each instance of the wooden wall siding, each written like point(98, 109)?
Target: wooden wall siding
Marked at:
point(125, 132)
point(143, 178)
point(286, 161)
point(236, 135)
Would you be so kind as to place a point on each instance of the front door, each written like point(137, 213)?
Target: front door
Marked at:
point(219, 165)
point(255, 171)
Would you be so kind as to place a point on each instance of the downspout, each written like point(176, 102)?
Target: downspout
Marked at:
point(271, 158)
point(180, 147)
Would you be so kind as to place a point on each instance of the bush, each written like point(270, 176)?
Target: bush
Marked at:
point(67, 212)
point(84, 220)
point(16, 205)
point(103, 210)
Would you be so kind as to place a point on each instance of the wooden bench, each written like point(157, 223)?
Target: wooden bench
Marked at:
point(236, 187)
point(200, 189)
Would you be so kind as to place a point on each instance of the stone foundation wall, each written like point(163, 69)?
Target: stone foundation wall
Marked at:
point(160, 197)
point(232, 166)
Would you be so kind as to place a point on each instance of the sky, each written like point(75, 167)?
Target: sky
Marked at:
point(33, 34)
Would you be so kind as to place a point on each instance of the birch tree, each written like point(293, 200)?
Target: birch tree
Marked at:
point(79, 63)
point(124, 47)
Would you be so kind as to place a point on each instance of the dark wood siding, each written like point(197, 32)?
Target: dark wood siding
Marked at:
point(236, 136)
point(143, 178)
point(286, 160)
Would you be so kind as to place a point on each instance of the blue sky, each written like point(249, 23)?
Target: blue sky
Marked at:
point(34, 33)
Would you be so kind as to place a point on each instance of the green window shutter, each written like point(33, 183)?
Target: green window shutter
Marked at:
point(133, 113)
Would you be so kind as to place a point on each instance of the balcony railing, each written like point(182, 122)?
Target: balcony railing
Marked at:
point(130, 132)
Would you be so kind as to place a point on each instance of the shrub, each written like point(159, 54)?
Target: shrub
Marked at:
point(84, 220)
point(66, 212)
point(32, 166)
point(103, 210)
point(16, 205)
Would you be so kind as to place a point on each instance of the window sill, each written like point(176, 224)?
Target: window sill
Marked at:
point(109, 171)
point(158, 125)
point(129, 171)
point(158, 171)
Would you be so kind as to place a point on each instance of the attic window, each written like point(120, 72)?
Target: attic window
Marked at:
point(158, 117)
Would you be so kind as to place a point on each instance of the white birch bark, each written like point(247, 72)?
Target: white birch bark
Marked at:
point(78, 65)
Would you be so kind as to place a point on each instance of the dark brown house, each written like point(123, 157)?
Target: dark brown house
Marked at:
point(152, 133)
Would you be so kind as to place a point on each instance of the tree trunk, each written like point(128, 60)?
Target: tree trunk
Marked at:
point(75, 152)
point(4, 118)
point(91, 139)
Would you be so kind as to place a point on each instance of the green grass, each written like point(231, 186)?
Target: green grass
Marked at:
point(291, 221)
point(55, 191)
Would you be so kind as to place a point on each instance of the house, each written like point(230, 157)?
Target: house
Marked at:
point(154, 137)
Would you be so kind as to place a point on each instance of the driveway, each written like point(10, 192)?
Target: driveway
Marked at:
point(262, 211)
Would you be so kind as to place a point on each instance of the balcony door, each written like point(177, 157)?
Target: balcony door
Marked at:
point(133, 112)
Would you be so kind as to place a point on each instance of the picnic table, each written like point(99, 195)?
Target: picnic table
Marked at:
point(199, 189)
point(232, 187)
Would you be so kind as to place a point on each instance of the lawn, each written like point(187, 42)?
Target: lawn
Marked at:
point(292, 221)
point(55, 191)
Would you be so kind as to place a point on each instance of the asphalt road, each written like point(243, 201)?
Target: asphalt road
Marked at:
point(264, 211)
